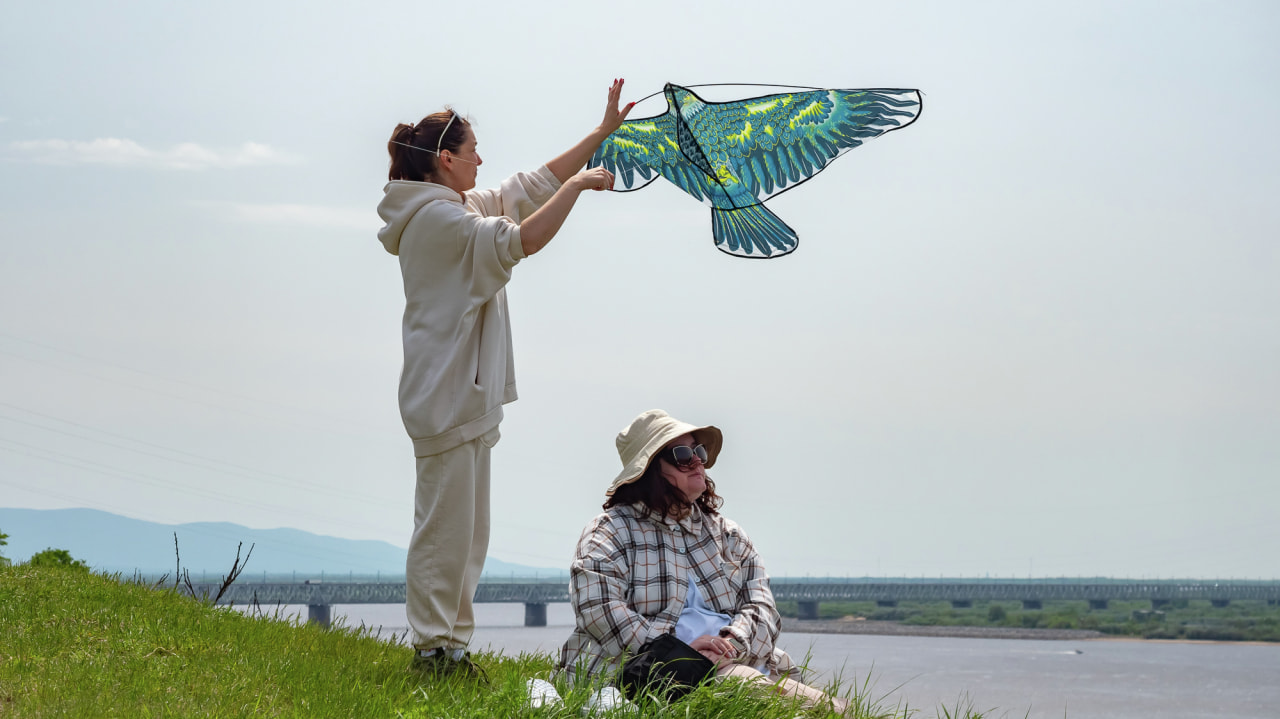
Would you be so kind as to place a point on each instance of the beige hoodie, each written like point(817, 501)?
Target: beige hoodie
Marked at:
point(456, 257)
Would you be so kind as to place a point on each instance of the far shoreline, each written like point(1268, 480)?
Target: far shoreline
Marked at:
point(897, 629)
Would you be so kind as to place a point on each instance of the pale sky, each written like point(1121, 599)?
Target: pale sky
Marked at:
point(1034, 333)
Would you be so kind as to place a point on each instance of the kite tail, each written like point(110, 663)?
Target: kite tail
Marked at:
point(752, 232)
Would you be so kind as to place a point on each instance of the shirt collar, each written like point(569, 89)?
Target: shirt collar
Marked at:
point(693, 523)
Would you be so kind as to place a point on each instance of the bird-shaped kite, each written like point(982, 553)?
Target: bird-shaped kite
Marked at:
point(734, 155)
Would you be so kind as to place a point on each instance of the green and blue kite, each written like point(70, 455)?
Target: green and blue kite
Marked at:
point(735, 155)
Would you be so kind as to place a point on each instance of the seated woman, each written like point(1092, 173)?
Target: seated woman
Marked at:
point(661, 558)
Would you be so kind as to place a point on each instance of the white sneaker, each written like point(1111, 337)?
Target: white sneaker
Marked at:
point(542, 694)
point(608, 699)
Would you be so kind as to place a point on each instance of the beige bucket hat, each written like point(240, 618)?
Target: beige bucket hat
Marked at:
point(641, 440)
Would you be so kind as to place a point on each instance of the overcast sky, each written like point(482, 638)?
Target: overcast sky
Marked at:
point(1034, 333)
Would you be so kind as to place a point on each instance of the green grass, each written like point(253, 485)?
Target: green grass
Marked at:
point(77, 644)
point(1182, 619)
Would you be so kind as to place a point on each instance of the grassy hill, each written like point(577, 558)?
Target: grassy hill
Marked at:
point(78, 644)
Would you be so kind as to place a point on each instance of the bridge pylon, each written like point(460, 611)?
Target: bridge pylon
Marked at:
point(535, 614)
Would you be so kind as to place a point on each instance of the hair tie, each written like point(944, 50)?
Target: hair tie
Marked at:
point(434, 152)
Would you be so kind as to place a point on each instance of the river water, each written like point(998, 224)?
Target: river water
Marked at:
point(1079, 679)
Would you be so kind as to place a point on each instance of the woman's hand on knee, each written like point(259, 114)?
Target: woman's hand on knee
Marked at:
point(717, 649)
point(721, 661)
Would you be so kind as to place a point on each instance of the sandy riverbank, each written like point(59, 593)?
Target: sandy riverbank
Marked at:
point(844, 626)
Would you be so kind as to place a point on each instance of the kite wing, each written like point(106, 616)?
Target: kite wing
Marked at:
point(734, 155)
point(774, 142)
point(641, 150)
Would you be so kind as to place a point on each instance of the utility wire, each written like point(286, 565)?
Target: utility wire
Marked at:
point(326, 428)
point(235, 469)
point(104, 469)
point(174, 380)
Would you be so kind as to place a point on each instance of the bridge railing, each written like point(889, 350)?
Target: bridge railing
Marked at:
point(547, 592)
point(986, 591)
point(320, 596)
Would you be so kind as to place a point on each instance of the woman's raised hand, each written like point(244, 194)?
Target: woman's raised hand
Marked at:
point(564, 165)
point(613, 117)
point(596, 178)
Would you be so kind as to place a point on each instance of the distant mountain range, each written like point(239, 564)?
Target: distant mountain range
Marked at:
point(112, 543)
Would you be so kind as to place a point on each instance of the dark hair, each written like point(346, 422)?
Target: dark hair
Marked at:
point(655, 492)
point(418, 165)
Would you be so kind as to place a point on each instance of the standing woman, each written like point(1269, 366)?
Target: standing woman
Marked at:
point(457, 247)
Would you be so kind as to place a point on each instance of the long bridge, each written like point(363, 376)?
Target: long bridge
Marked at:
point(320, 596)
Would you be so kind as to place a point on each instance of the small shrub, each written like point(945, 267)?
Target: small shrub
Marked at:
point(59, 558)
point(996, 614)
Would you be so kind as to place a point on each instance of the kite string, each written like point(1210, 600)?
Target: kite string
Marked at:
point(730, 84)
point(434, 152)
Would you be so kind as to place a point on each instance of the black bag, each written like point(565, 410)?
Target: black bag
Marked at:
point(664, 666)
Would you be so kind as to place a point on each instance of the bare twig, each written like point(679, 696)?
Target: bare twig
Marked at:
point(177, 570)
point(186, 579)
point(236, 568)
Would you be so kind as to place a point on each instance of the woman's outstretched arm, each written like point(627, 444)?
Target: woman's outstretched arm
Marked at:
point(543, 224)
point(573, 159)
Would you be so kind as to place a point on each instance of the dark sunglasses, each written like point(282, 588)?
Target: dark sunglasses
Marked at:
point(683, 455)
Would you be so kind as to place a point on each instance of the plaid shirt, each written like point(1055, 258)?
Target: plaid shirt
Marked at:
point(630, 576)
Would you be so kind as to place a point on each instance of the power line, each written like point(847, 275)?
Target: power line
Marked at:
point(326, 427)
point(175, 380)
point(107, 470)
point(235, 469)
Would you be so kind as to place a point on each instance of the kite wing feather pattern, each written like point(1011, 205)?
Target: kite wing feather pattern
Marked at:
point(734, 155)
point(778, 141)
point(641, 150)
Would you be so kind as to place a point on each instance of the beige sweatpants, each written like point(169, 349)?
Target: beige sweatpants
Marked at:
point(450, 539)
